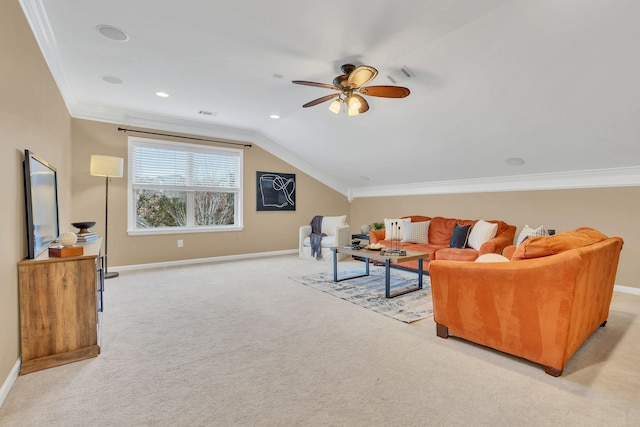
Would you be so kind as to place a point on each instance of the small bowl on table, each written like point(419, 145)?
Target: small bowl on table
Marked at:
point(83, 226)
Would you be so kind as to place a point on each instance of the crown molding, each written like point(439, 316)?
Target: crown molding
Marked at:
point(36, 16)
point(595, 178)
point(276, 150)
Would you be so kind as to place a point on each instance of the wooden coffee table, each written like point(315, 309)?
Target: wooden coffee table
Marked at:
point(387, 259)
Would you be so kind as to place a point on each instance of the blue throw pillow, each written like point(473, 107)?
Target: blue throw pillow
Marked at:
point(460, 236)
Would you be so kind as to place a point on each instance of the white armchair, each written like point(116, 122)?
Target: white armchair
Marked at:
point(337, 233)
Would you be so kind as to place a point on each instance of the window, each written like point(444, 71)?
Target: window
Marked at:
point(178, 188)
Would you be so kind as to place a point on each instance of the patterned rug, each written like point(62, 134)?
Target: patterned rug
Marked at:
point(368, 292)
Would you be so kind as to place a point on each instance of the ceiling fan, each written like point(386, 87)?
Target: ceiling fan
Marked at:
point(349, 86)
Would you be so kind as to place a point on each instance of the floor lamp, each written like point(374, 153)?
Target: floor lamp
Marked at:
point(109, 167)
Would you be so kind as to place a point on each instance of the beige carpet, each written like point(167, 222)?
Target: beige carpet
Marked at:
point(239, 344)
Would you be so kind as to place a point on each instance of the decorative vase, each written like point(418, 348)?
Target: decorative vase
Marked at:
point(67, 239)
point(364, 228)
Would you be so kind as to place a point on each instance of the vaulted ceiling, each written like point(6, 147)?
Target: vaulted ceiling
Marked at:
point(504, 94)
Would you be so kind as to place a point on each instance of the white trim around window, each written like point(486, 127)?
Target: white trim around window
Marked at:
point(177, 187)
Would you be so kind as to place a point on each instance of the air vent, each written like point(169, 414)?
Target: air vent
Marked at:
point(207, 113)
point(400, 75)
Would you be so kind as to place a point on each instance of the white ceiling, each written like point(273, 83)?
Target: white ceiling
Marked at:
point(552, 82)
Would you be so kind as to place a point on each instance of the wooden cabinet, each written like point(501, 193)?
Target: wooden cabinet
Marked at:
point(60, 304)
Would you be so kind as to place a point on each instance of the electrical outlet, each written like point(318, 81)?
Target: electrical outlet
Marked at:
point(180, 243)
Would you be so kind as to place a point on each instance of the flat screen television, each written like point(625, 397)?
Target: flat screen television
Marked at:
point(41, 198)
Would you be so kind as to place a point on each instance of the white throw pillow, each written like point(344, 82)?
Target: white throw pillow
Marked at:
point(492, 258)
point(329, 224)
point(529, 232)
point(415, 232)
point(393, 228)
point(482, 231)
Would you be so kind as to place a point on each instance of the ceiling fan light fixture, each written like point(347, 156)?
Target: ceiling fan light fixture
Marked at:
point(353, 112)
point(335, 106)
point(353, 103)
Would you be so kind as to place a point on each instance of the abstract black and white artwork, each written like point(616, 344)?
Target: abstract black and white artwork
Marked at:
point(275, 191)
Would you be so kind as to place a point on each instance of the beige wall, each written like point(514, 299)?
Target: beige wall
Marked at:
point(32, 116)
point(263, 231)
point(614, 211)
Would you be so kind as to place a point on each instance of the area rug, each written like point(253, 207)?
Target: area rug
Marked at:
point(368, 292)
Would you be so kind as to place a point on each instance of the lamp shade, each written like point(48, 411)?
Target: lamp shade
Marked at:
point(334, 107)
point(106, 166)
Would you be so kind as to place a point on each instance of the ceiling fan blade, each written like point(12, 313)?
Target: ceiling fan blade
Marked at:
point(324, 85)
point(385, 91)
point(321, 100)
point(361, 76)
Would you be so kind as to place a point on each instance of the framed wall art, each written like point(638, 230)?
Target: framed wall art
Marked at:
point(275, 191)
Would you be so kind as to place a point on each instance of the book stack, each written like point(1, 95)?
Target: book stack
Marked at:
point(87, 237)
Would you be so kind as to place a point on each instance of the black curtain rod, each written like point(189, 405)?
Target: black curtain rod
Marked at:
point(184, 137)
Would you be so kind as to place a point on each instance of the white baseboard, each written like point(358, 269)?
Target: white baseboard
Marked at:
point(203, 260)
point(627, 289)
point(9, 381)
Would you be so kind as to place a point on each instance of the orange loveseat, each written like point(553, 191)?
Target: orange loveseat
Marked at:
point(541, 306)
point(440, 231)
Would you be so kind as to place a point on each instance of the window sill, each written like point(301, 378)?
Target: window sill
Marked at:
point(156, 231)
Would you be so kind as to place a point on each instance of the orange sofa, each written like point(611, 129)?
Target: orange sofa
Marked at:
point(440, 231)
point(541, 306)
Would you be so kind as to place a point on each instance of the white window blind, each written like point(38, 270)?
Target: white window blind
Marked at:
point(185, 167)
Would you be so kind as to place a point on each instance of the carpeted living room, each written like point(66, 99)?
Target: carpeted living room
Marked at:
point(271, 351)
point(516, 115)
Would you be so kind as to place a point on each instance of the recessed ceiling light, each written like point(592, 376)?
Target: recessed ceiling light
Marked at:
point(364, 178)
point(112, 79)
point(515, 161)
point(113, 33)
point(278, 75)
point(274, 116)
point(162, 94)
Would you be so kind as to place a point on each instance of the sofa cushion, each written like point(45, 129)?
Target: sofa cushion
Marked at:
point(441, 229)
point(481, 232)
point(459, 236)
point(536, 247)
point(530, 232)
point(393, 228)
point(455, 254)
point(329, 224)
point(415, 232)
point(326, 242)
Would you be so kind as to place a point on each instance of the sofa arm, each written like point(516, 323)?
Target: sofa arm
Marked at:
point(343, 235)
point(375, 235)
point(497, 244)
point(509, 251)
point(305, 231)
